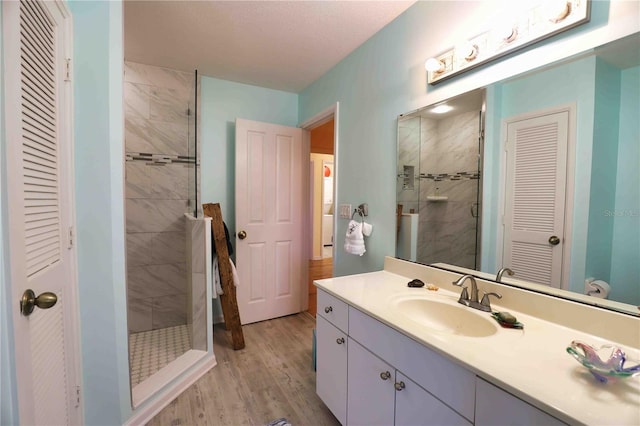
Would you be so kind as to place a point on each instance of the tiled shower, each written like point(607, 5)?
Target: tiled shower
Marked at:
point(161, 177)
point(439, 179)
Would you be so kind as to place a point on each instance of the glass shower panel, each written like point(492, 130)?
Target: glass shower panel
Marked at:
point(438, 179)
point(194, 203)
point(408, 165)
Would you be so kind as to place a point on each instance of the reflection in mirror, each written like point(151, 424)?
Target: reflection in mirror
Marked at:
point(601, 237)
point(438, 185)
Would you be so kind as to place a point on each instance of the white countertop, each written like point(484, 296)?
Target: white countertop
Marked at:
point(532, 364)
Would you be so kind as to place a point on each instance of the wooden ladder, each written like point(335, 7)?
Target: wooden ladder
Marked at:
point(228, 299)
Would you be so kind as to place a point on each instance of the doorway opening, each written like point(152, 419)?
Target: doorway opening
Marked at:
point(323, 136)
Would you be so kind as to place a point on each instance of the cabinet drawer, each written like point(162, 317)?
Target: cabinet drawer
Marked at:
point(497, 407)
point(333, 310)
point(449, 382)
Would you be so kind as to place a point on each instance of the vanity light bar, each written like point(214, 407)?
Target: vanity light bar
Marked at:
point(545, 19)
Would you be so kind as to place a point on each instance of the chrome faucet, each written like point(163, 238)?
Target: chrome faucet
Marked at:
point(472, 301)
point(502, 271)
point(465, 299)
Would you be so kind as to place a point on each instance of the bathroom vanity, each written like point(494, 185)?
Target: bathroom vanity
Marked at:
point(393, 355)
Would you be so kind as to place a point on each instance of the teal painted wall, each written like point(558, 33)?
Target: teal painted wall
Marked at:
point(385, 77)
point(221, 103)
point(603, 171)
point(625, 267)
point(98, 97)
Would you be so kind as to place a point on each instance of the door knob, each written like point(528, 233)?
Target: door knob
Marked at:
point(554, 241)
point(242, 235)
point(29, 301)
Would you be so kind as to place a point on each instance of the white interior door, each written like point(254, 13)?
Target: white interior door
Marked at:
point(37, 90)
point(270, 183)
point(536, 177)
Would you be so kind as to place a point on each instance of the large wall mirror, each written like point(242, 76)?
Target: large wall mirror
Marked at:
point(539, 173)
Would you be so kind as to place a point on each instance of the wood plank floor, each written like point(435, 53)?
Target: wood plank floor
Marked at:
point(271, 378)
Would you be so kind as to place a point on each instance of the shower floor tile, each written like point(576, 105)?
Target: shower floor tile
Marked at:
point(149, 351)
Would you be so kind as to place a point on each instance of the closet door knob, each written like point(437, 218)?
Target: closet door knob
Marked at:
point(328, 309)
point(554, 241)
point(399, 386)
point(242, 235)
point(340, 340)
point(385, 375)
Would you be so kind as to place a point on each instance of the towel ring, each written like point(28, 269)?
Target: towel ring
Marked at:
point(359, 211)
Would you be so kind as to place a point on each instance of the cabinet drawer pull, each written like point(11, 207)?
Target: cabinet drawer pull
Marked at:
point(399, 386)
point(385, 375)
point(328, 309)
point(340, 340)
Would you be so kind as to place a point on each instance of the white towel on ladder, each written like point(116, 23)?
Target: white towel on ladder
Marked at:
point(217, 285)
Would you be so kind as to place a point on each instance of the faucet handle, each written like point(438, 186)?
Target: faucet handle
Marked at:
point(485, 303)
point(464, 297)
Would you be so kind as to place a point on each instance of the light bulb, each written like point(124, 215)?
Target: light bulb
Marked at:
point(469, 51)
point(557, 10)
point(434, 65)
point(507, 32)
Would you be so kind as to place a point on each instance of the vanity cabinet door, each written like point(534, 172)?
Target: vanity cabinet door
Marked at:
point(497, 407)
point(415, 406)
point(371, 392)
point(331, 368)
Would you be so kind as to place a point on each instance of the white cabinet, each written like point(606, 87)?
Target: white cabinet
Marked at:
point(371, 374)
point(447, 381)
point(416, 406)
point(370, 400)
point(381, 395)
point(497, 407)
point(331, 354)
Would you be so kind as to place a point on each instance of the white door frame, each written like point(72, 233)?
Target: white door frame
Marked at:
point(319, 119)
point(567, 238)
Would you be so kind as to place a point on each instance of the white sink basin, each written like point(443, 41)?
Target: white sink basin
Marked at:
point(446, 317)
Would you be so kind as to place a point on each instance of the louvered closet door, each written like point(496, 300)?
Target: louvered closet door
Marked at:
point(535, 197)
point(38, 146)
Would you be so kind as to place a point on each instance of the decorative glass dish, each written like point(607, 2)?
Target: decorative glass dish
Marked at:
point(606, 363)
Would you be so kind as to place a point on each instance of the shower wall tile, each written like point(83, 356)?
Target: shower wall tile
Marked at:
point(169, 311)
point(139, 314)
point(168, 104)
point(199, 311)
point(197, 247)
point(138, 253)
point(155, 137)
point(154, 248)
point(137, 181)
point(162, 182)
point(156, 122)
point(157, 76)
point(169, 182)
point(150, 281)
point(168, 247)
point(144, 215)
point(136, 100)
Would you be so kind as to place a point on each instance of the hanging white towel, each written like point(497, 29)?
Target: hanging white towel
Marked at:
point(217, 285)
point(354, 241)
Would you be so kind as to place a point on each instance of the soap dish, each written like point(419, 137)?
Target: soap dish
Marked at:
point(611, 368)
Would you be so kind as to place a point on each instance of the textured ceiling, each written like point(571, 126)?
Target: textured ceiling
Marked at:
point(283, 45)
